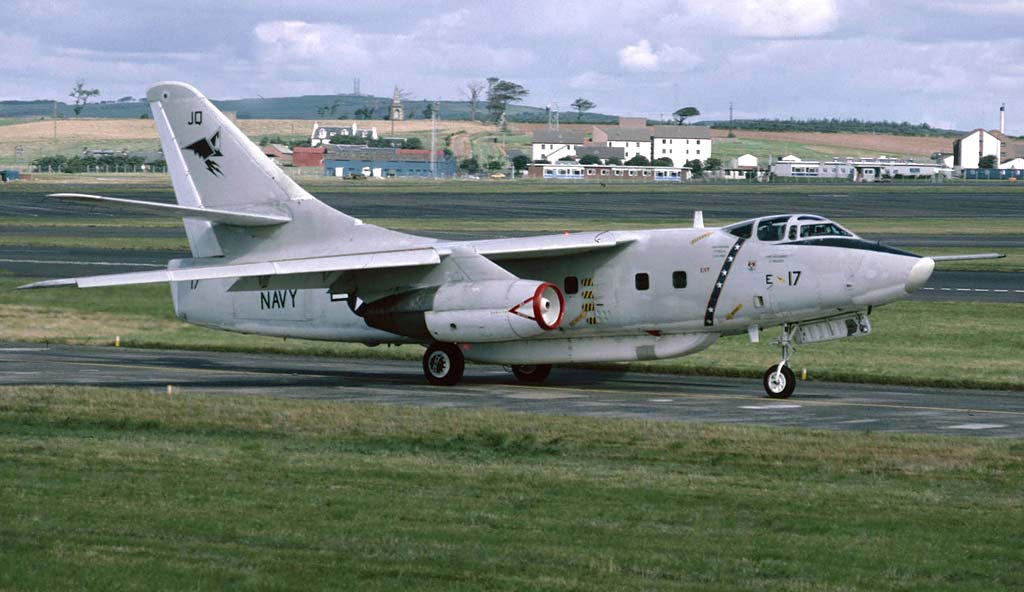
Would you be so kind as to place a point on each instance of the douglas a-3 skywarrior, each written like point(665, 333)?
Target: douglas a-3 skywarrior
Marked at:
point(268, 258)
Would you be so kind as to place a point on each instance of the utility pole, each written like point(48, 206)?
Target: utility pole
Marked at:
point(55, 120)
point(433, 139)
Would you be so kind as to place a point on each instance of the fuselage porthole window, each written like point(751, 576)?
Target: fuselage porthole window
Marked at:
point(678, 279)
point(571, 284)
point(642, 281)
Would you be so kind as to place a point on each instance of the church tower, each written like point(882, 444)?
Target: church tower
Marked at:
point(397, 112)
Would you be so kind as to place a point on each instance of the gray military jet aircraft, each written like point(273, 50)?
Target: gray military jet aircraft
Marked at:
point(268, 258)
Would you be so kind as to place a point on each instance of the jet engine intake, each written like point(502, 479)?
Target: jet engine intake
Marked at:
point(471, 312)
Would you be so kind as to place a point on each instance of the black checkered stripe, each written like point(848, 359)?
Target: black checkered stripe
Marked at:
point(709, 312)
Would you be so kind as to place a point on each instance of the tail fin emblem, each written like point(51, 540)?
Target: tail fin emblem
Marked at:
point(207, 149)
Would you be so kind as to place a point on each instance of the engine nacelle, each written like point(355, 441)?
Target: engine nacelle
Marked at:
point(471, 312)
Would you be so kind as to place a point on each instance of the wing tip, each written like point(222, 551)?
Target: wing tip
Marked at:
point(49, 284)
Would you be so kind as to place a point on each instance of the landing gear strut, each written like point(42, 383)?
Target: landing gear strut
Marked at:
point(779, 381)
point(443, 364)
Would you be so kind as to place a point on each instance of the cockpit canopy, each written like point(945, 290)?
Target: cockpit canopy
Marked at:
point(789, 228)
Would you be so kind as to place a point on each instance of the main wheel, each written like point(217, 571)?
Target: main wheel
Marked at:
point(779, 385)
point(443, 364)
point(533, 373)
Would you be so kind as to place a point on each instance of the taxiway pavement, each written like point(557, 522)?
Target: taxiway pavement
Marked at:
point(569, 391)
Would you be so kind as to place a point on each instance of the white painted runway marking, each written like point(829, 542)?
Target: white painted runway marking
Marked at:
point(107, 263)
point(975, 426)
point(660, 400)
point(23, 349)
point(777, 406)
point(850, 421)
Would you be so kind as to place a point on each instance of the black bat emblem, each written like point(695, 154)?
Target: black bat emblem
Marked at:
point(207, 149)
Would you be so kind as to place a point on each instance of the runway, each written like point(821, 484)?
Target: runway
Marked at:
point(578, 392)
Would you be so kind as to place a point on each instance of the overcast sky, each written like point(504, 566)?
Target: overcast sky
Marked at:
point(945, 62)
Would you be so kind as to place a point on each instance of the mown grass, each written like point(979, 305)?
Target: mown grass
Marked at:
point(106, 489)
point(922, 343)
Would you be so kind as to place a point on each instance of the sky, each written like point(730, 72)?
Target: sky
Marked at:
point(949, 63)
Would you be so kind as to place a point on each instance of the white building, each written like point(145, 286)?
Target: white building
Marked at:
point(864, 169)
point(323, 134)
point(679, 143)
point(970, 149)
point(554, 145)
point(1013, 163)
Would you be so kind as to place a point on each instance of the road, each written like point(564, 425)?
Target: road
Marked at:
point(591, 393)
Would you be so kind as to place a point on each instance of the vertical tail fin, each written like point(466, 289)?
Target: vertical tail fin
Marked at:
point(213, 164)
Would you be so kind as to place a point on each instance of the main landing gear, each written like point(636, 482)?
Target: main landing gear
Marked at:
point(443, 364)
point(532, 374)
point(779, 381)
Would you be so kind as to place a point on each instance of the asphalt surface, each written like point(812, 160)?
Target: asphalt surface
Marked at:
point(574, 392)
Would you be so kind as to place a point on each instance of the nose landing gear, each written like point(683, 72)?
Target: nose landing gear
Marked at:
point(779, 381)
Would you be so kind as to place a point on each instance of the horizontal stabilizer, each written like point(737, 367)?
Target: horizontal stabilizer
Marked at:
point(968, 257)
point(217, 216)
point(378, 260)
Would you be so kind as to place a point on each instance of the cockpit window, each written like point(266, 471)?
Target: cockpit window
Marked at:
point(772, 229)
point(742, 231)
point(823, 229)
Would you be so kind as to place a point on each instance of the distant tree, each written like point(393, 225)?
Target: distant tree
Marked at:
point(663, 161)
point(696, 167)
point(413, 144)
point(638, 160)
point(473, 91)
point(365, 112)
point(680, 115)
point(712, 164)
point(495, 165)
point(581, 105)
point(614, 160)
point(567, 158)
point(500, 93)
point(470, 165)
point(81, 95)
point(987, 162)
point(428, 111)
point(590, 159)
point(520, 162)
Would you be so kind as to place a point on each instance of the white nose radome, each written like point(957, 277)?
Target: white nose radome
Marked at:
point(919, 273)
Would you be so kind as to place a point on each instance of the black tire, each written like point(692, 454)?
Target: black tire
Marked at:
point(532, 373)
point(443, 364)
point(783, 386)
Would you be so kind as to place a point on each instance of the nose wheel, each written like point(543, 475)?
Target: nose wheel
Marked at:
point(779, 381)
point(443, 364)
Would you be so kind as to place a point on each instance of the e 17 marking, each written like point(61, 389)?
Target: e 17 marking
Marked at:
point(792, 278)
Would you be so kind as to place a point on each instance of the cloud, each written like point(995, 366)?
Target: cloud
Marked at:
point(643, 58)
point(591, 80)
point(776, 19)
point(639, 57)
point(1004, 7)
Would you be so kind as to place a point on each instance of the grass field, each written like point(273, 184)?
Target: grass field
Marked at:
point(107, 489)
point(941, 344)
